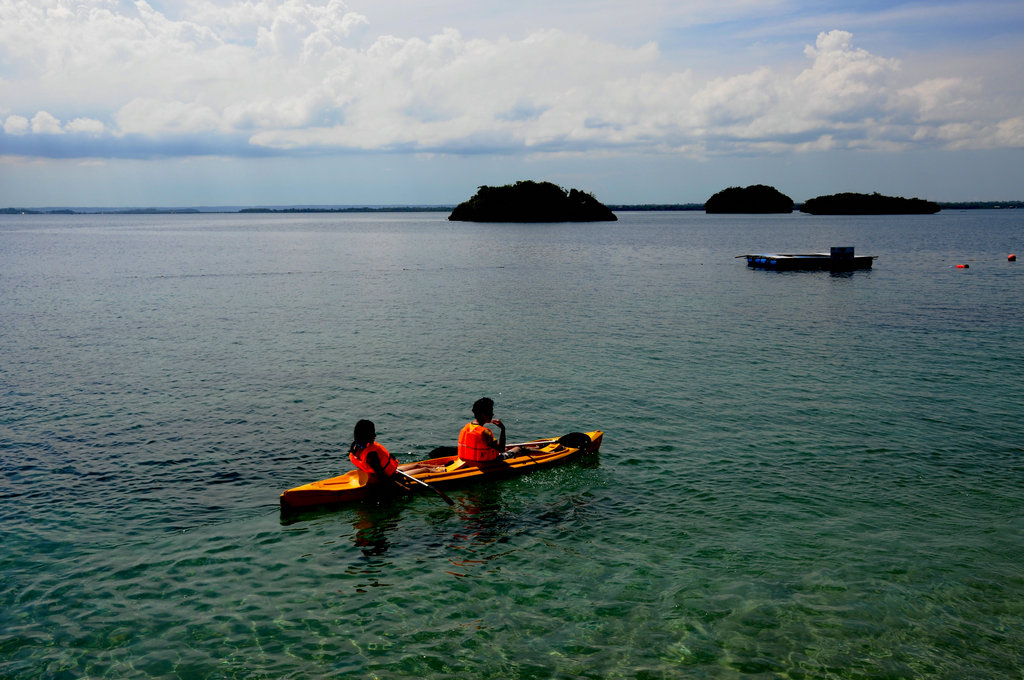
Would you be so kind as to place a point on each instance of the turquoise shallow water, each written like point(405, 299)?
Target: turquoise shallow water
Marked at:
point(804, 475)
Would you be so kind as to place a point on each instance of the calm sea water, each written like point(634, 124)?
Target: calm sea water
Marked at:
point(803, 475)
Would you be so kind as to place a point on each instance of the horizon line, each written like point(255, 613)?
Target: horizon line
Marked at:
point(390, 207)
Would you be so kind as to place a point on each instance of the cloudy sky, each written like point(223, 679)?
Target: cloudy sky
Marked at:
point(293, 102)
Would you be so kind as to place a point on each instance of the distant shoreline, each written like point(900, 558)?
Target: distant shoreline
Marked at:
point(643, 207)
point(224, 210)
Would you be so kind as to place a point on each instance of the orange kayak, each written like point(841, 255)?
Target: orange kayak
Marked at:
point(357, 485)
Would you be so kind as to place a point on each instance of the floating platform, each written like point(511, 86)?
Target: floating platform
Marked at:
point(838, 259)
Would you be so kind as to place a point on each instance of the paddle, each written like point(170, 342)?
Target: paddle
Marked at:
point(573, 440)
point(536, 441)
point(440, 493)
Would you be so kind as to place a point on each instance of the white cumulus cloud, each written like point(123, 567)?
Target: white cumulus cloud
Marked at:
point(88, 126)
point(44, 123)
point(16, 125)
point(146, 116)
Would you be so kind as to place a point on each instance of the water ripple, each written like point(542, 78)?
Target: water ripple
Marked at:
point(803, 475)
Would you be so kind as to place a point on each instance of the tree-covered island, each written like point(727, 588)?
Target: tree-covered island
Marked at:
point(529, 201)
point(753, 199)
point(868, 204)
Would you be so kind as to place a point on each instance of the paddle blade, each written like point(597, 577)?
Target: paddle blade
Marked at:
point(576, 440)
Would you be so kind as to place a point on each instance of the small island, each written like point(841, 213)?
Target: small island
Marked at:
point(868, 204)
point(528, 201)
point(753, 199)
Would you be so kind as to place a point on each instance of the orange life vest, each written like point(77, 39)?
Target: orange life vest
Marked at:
point(475, 443)
point(360, 458)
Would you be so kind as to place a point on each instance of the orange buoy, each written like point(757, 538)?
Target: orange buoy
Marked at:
point(963, 266)
point(1011, 257)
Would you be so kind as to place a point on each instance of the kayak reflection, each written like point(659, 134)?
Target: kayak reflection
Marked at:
point(372, 526)
point(485, 525)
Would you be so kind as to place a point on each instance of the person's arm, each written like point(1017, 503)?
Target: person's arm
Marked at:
point(378, 469)
point(501, 438)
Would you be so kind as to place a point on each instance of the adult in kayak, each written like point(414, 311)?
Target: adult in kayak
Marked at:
point(476, 442)
point(372, 458)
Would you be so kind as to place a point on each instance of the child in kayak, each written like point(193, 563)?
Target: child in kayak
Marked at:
point(476, 442)
point(372, 458)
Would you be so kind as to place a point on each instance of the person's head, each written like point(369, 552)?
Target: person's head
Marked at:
point(483, 409)
point(364, 432)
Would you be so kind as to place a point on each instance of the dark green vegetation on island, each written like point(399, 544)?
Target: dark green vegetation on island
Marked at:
point(753, 199)
point(529, 201)
point(868, 204)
